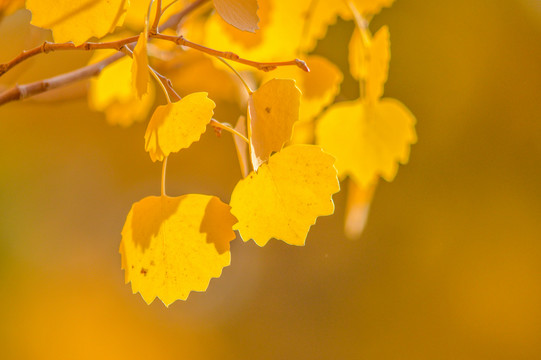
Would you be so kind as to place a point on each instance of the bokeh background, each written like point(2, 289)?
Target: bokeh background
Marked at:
point(449, 266)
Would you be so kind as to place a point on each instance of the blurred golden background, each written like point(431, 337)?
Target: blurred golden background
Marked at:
point(449, 266)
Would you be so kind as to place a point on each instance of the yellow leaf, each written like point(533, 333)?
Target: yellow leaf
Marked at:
point(369, 63)
point(303, 133)
point(319, 87)
point(172, 246)
point(367, 140)
point(137, 12)
point(371, 7)
point(364, 7)
point(357, 208)
point(272, 111)
point(284, 198)
point(8, 7)
point(141, 77)
point(278, 39)
point(242, 14)
point(178, 125)
point(77, 20)
point(112, 92)
point(242, 147)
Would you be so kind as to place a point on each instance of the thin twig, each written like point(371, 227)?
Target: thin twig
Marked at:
point(47, 47)
point(20, 92)
point(154, 27)
point(264, 66)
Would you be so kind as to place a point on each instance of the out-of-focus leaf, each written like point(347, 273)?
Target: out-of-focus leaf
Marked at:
point(242, 14)
point(112, 92)
point(369, 63)
point(78, 20)
point(357, 208)
point(242, 147)
point(367, 140)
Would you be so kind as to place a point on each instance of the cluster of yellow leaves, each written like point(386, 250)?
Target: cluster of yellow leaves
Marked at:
point(171, 246)
point(370, 135)
point(174, 245)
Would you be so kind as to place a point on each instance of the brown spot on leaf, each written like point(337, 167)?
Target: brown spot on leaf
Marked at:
point(144, 271)
point(268, 110)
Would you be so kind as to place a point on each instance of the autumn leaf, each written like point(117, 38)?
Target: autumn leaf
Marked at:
point(369, 63)
point(174, 245)
point(319, 87)
point(371, 7)
point(242, 147)
point(177, 125)
point(357, 208)
point(242, 14)
point(285, 197)
point(141, 77)
point(8, 7)
point(112, 92)
point(367, 140)
point(77, 20)
point(272, 111)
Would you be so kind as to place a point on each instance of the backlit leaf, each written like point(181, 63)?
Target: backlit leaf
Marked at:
point(357, 208)
point(141, 77)
point(112, 92)
point(242, 14)
point(371, 7)
point(172, 246)
point(369, 63)
point(77, 20)
point(285, 197)
point(178, 125)
point(242, 147)
point(272, 111)
point(367, 141)
point(319, 87)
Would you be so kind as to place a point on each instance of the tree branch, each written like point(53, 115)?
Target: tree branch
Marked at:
point(264, 66)
point(20, 92)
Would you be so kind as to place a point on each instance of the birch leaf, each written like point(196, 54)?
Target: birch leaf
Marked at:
point(272, 111)
point(172, 246)
point(367, 141)
point(285, 197)
point(369, 63)
point(178, 125)
point(242, 14)
point(112, 92)
point(77, 20)
point(242, 147)
point(141, 77)
point(319, 87)
point(357, 208)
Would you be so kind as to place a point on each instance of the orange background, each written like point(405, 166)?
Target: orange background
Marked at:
point(449, 266)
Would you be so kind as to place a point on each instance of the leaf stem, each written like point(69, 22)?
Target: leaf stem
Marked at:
point(164, 173)
point(248, 89)
point(162, 85)
point(223, 126)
